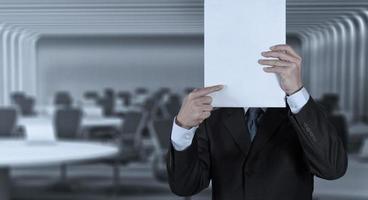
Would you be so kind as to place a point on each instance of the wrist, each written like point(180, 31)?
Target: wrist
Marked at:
point(295, 90)
point(179, 122)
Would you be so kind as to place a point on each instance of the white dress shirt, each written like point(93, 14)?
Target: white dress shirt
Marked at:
point(181, 138)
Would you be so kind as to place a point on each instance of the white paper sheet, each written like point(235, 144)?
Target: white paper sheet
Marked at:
point(236, 32)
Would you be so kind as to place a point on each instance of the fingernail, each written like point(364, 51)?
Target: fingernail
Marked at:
point(263, 53)
point(272, 48)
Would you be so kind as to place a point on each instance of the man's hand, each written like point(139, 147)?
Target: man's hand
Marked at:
point(196, 107)
point(287, 66)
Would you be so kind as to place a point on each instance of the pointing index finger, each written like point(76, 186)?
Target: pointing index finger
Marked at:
point(207, 90)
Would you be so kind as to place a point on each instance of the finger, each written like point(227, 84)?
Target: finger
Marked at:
point(280, 55)
point(287, 48)
point(276, 70)
point(204, 100)
point(206, 91)
point(205, 115)
point(206, 108)
point(278, 63)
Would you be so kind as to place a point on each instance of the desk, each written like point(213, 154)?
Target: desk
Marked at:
point(124, 109)
point(46, 129)
point(97, 121)
point(87, 122)
point(359, 130)
point(19, 153)
point(357, 134)
point(92, 116)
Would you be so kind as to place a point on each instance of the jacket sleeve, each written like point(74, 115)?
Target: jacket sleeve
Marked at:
point(323, 148)
point(189, 170)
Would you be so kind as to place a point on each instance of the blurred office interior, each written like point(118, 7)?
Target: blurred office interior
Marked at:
point(103, 81)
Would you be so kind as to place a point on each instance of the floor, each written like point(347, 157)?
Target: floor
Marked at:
point(94, 182)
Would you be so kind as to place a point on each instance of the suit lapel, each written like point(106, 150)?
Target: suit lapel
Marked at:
point(267, 127)
point(234, 121)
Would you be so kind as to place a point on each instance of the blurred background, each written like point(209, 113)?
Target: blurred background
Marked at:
point(108, 77)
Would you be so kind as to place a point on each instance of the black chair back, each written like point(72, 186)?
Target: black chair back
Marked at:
point(24, 103)
point(63, 99)
point(67, 123)
point(173, 106)
point(91, 95)
point(17, 98)
point(132, 122)
point(161, 132)
point(126, 97)
point(141, 90)
point(28, 106)
point(8, 119)
point(107, 102)
point(132, 128)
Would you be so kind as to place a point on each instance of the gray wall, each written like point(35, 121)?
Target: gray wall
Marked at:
point(78, 64)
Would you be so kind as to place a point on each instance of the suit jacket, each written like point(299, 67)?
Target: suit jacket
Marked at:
point(286, 153)
point(341, 125)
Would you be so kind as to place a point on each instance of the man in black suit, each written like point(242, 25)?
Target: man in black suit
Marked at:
point(255, 153)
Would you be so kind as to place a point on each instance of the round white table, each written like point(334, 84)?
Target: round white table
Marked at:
point(20, 153)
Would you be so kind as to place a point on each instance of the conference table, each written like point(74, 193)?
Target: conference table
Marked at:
point(22, 153)
point(45, 124)
point(92, 116)
point(359, 130)
point(87, 122)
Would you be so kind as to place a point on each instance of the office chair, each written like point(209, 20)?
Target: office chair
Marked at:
point(108, 102)
point(8, 118)
point(16, 97)
point(157, 111)
point(160, 132)
point(129, 142)
point(28, 106)
point(141, 90)
point(24, 103)
point(148, 107)
point(67, 123)
point(91, 95)
point(126, 98)
point(172, 106)
point(63, 99)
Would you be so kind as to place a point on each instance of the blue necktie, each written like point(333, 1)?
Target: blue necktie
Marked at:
point(253, 117)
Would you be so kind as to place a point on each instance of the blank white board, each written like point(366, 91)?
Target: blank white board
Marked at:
point(236, 33)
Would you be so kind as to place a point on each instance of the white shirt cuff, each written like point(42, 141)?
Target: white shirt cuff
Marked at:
point(298, 100)
point(181, 138)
